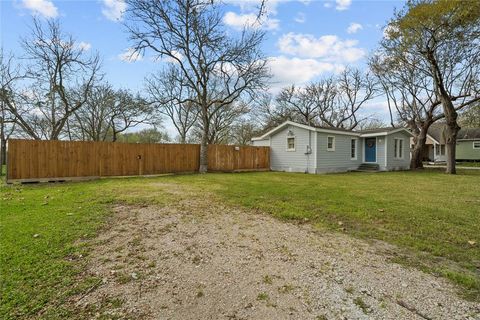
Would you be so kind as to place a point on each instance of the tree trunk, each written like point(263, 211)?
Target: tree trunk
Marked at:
point(204, 148)
point(3, 152)
point(203, 154)
point(420, 142)
point(451, 143)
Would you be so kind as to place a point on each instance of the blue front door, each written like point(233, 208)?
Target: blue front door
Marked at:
point(370, 150)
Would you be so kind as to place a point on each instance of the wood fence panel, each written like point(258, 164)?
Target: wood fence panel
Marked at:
point(32, 160)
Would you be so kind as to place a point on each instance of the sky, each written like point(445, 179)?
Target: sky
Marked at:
point(306, 39)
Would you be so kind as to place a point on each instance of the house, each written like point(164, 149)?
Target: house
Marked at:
point(296, 147)
point(467, 149)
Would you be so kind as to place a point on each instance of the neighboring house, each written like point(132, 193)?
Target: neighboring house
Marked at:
point(468, 144)
point(296, 147)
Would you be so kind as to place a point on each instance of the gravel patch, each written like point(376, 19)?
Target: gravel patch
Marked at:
point(197, 258)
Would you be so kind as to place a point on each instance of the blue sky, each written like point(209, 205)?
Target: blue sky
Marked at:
point(305, 39)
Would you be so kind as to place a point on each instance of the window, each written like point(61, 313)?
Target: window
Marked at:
point(353, 149)
point(290, 143)
point(476, 144)
point(440, 149)
point(398, 149)
point(330, 143)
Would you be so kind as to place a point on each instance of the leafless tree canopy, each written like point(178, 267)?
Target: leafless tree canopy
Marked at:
point(336, 101)
point(107, 113)
point(53, 85)
point(217, 68)
point(168, 98)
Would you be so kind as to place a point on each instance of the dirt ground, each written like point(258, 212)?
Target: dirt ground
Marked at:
point(197, 258)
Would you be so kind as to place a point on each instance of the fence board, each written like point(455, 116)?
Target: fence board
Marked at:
point(28, 160)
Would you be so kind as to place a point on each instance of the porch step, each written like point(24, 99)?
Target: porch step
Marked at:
point(368, 167)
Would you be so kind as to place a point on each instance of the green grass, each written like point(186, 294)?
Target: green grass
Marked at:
point(430, 216)
point(469, 164)
point(43, 233)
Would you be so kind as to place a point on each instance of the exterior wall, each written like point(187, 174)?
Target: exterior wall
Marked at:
point(261, 143)
point(391, 162)
point(340, 159)
point(465, 151)
point(439, 157)
point(292, 161)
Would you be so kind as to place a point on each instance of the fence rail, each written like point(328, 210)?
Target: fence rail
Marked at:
point(35, 160)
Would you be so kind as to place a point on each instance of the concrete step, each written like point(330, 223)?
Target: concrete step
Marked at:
point(368, 167)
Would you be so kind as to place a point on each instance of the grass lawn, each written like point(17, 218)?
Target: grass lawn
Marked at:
point(430, 216)
point(469, 164)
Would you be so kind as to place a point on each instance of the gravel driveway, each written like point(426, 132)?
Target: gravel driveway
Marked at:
point(200, 259)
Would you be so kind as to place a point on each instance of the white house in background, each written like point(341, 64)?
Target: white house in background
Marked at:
point(467, 149)
point(296, 147)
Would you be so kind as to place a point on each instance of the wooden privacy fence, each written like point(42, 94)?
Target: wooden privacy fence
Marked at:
point(36, 160)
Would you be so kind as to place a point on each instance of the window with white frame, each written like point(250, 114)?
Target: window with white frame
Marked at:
point(476, 144)
point(440, 149)
point(398, 148)
point(331, 143)
point(353, 149)
point(290, 143)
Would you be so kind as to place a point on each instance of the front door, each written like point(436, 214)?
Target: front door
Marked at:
point(370, 150)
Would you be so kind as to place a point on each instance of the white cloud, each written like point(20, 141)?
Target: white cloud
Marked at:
point(114, 9)
point(300, 18)
point(249, 20)
point(354, 27)
point(130, 55)
point(287, 70)
point(45, 8)
point(84, 46)
point(342, 4)
point(327, 4)
point(329, 47)
point(248, 16)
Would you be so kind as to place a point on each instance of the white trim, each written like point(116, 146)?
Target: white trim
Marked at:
point(340, 132)
point(386, 152)
point(400, 156)
point(431, 138)
point(315, 152)
point(356, 149)
point(473, 145)
point(384, 133)
point(376, 151)
point(294, 143)
point(333, 143)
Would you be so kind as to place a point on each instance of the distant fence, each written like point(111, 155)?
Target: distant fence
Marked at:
point(36, 160)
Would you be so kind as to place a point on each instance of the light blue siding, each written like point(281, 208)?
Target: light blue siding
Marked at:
point(292, 161)
point(339, 159)
point(402, 163)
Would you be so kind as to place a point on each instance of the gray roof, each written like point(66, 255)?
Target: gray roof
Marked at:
point(437, 132)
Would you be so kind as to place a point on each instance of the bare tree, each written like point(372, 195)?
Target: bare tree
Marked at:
point(8, 76)
point(268, 114)
point(173, 100)
point(109, 112)
point(129, 111)
point(243, 131)
point(217, 67)
point(92, 120)
point(411, 97)
point(60, 76)
point(221, 123)
point(442, 38)
point(299, 101)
